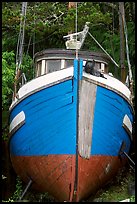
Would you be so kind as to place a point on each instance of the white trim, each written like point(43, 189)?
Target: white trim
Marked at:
point(51, 78)
point(43, 67)
point(102, 67)
point(127, 125)
point(111, 82)
point(62, 64)
point(17, 120)
point(37, 83)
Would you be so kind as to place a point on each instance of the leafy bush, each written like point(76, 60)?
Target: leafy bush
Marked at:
point(8, 71)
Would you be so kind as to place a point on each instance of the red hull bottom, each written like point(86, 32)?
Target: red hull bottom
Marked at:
point(55, 174)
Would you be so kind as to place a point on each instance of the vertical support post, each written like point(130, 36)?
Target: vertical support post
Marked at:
point(78, 72)
point(24, 192)
point(71, 5)
point(122, 41)
point(129, 158)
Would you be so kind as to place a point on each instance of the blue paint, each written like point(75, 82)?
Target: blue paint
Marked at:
point(51, 121)
point(78, 73)
point(49, 126)
point(40, 97)
point(108, 132)
point(80, 69)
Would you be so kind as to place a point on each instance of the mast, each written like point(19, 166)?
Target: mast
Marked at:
point(76, 67)
point(122, 41)
point(71, 5)
point(123, 30)
point(19, 53)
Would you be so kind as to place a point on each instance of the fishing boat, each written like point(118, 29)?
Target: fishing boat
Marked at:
point(71, 124)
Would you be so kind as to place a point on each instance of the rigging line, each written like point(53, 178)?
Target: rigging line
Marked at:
point(113, 21)
point(28, 45)
point(34, 34)
point(127, 49)
point(111, 38)
point(76, 28)
point(113, 30)
point(103, 49)
point(33, 54)
point(21, 37)
point(18, 44)
point(24, 7)
point(33, 47)
point(42, 39)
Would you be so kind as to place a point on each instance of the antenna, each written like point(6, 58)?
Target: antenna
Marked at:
point(72, 39)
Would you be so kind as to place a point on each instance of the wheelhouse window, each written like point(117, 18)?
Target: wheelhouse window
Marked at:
point(53, 65)
point(69, 63)
point(46, 66)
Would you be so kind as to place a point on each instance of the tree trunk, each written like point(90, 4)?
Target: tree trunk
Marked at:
point(122, 41)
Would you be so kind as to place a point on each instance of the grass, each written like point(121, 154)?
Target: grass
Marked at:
point(118, 189)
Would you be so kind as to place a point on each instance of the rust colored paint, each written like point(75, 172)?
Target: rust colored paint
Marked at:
point(53, 173)
point(94, 173)
point(56, 174)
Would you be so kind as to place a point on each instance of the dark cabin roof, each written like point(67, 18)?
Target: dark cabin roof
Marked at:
point(71, 54)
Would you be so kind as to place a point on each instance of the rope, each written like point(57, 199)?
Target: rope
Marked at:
point(127, 49)
point(103, 50)
point(28, 45)
point(34, 43)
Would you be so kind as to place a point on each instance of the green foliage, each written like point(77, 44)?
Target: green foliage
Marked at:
point(17, 192)
point(8, 71)
point(117, 190)
point(9, 200)
point(132, 199)
point(8, 74)
point(49, 19)
point(10, 25)
point(27, 67)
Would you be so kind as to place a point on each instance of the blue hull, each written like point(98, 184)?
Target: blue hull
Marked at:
point(108, 133)
point(50, 125)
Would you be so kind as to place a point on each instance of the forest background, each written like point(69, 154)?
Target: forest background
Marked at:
point(46, 24)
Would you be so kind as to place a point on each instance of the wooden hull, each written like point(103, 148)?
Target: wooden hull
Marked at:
point(56, 174)
point(68, 142)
